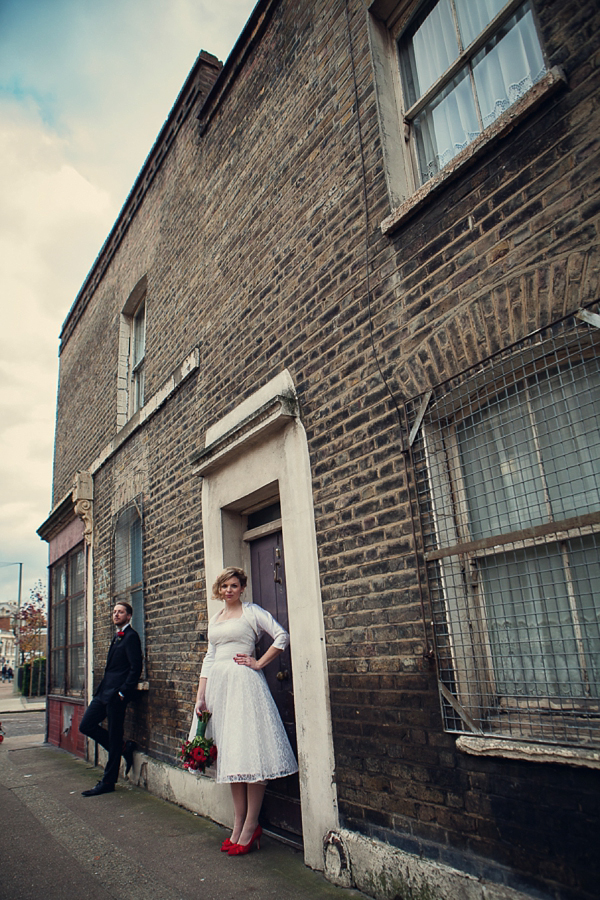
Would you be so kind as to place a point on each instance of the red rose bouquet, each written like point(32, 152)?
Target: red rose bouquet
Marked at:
point(199, 754)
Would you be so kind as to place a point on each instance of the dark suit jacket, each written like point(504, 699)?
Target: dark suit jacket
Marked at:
point(123, 667)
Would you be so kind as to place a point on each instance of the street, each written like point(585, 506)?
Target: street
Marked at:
point(20, 724)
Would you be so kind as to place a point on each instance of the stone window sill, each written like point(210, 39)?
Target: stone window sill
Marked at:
point(529, 752)
point(553, 80)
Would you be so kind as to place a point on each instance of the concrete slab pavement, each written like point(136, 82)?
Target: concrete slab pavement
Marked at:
point(128, 845)
point(11, 701)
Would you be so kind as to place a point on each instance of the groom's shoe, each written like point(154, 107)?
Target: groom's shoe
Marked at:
point(101, 788)
point(127, 754)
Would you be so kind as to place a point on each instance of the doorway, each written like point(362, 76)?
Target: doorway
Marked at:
point(281, 812)
point(255, 456)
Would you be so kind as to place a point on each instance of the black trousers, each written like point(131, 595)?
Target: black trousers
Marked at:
point(111, 738)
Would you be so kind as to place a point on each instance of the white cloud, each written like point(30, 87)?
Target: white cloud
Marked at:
point(84, 91)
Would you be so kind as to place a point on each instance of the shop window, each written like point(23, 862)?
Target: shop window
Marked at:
point(510, 511)
point(67, 625)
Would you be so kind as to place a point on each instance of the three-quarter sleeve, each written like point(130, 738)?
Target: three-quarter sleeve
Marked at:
point(209, 656)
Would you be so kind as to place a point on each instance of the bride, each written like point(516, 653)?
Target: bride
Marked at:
point(252, 745)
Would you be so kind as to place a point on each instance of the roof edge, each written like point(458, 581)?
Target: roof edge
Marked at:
point(198, 83)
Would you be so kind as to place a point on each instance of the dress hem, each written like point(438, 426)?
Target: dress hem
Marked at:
point(253, 779)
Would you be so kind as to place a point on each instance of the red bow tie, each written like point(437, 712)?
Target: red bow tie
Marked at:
point(120, 633)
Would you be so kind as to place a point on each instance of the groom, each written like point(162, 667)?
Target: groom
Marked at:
point(121, 675)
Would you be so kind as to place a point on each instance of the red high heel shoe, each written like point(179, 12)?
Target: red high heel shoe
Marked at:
point(241, 849)
point(227, 845)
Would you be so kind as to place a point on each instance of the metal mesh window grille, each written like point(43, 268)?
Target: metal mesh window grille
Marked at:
point(128, 578)
point(506, 461)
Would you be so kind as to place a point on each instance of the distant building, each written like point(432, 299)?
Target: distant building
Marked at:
point(345, 333)
point(7, 635)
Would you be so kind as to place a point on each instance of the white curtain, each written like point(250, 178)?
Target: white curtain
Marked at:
point(530, 625)
point(513, 65)
point(446, 126)
point(503, 480)
point(474, 15)
point(567, 415)
point(530, 458)
point(434, 46)
point(503, 72)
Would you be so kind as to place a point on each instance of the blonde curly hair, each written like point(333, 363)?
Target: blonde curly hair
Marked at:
point(229, 572)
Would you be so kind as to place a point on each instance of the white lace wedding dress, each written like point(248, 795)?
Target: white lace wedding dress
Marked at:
point(245, 724)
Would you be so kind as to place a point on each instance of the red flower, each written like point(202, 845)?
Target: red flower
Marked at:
point(200, 753)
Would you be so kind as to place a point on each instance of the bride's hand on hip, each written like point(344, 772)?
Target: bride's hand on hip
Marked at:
point(242, 659)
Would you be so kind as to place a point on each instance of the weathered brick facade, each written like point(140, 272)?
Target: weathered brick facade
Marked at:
point(259, 250)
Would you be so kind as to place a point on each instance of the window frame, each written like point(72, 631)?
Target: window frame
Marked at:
point(131, 368)
point(67, 646)
point(137, 359)
point(456, 586)
point(387, 21)
point(128, 527)
point(462, 63)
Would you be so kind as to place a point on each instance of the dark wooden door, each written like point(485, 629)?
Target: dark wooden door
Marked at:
point(281, 807)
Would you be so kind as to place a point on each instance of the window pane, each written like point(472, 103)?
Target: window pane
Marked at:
point(136, 550)
point(76, 573)
point(474, 15)
point(57, 681)
point(59, 583)
point(503, 479)
point(508, 66)
point(77, 620)
point(446, 126)
point(76, 669)
point(139, 381)
point(139, 335)
point(59, 625)
point(137, 620)
point(530, 622)
point(122, 553)
point(584, 562)
point(567, 417)
point(428, 53)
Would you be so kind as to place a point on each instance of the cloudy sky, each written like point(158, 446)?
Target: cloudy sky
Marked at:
point(85, 86)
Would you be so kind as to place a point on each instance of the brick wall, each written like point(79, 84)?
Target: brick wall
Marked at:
point(252, 236)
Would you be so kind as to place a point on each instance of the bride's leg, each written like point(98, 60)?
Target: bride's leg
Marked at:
point(239, 795)
point(256, 792)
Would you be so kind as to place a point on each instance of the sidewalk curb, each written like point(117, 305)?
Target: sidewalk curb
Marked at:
point(18, 705)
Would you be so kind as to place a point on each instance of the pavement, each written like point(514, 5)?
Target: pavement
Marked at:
point(127, 845)
point(12, 702)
